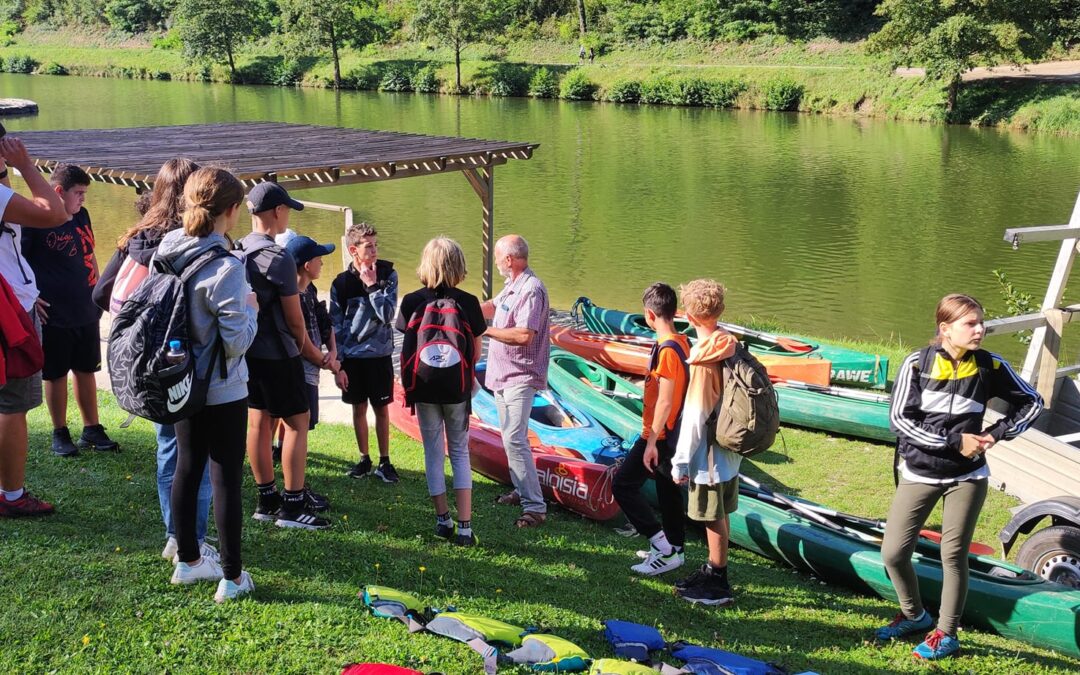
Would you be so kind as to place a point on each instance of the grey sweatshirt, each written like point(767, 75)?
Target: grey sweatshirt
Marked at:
point(217, 306)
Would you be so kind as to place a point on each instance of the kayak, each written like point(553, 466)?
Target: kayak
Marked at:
point(630, 354)
point(838, 410)
point(849, 366)
point(615, 402)
point(1002, 597)
point(565, 478)
point(556, 422)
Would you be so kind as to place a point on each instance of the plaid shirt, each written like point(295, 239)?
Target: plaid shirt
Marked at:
point(522, 303)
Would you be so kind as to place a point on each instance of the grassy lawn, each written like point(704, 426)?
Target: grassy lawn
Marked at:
point(86, 589)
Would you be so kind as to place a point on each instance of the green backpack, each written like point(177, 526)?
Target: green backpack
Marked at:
point(748, 417)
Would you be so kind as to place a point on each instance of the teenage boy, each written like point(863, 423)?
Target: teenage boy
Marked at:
point(710, 471)
point(650, 457)
point(19, 395)
point(275, 369)
point(308, 256)
point(363, 302)
point(63, 262)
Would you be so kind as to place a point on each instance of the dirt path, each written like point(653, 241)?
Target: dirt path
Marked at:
point(1052, 71)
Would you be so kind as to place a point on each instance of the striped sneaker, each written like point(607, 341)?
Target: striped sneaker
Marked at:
point(658, 563)
point(301, 519)
point(901, 626)
point(938, 645)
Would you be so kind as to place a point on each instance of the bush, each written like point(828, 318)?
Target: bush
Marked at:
point(8, 30)
point(425, 80)
point(162, 75)
point(288, 73)
point(687, 91)
point(169, 41)
point(723, 93)
point(366, 76)
point(544, 84)
point(52, 68)
point(395, 78)
point(781, 94)
point(504, 79)
point(20, 64)
point(576, 86)
point(656, 89)
point(623, 91)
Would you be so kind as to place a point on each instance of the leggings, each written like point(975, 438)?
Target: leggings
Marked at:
point(910, 508)
point(217, 433)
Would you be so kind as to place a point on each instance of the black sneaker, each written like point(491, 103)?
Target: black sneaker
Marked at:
point(362, 468)
point(467, 540)
point(387, 472)
point(94, 436)
point(268, 508)
point(694, 579)
point(301, 519)
point(712, 590)
point(61, 443)
point(275, 453)
point(313, 501)
point(444, 530)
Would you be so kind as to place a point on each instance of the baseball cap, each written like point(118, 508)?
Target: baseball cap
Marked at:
point(266, 196)
point(304, 249)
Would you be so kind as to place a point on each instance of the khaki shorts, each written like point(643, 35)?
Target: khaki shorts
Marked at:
point(711, 502)
point(22, 394)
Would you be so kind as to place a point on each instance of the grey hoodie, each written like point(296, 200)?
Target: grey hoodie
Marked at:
point(218, 306)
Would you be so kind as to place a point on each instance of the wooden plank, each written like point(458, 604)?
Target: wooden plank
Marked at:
point(1030, 235)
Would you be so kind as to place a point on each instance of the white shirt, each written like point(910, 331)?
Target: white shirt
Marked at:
point(13, 267)
point(982, 473)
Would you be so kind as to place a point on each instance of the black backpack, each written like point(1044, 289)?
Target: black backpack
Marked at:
point(672, 435)
point(437, 353)
point(144, 382)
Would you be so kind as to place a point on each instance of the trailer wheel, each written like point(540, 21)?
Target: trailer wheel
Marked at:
point(1054, 554)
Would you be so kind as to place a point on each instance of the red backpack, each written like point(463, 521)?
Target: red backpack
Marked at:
point(437, 354)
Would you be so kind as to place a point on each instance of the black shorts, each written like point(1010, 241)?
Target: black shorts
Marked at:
point(67, 349)
point(369, 380)
point(277, 386)
point(313, 405)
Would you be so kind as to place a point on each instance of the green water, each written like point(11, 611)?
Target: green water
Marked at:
point(831, 226)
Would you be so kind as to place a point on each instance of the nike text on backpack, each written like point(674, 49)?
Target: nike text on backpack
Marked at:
point(437, 353)
point(145, 383)
point(748, 418)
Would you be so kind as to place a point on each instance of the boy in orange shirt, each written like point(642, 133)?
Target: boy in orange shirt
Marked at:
point(650, 457)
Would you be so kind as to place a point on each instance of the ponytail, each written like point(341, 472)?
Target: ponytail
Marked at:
point(208, 194)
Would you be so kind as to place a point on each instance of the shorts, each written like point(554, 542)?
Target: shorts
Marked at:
point(22, 394)
point(369, 380)
point(70, 349)
point(313, 405)
point(712, 502)
point(277, 386)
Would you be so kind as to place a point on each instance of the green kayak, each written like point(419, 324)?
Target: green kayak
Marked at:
point(1001, 597)
point(615, 402)
point(849, 367)
point(852, 412)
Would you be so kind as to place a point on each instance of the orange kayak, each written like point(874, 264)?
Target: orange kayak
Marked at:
point(630, 354)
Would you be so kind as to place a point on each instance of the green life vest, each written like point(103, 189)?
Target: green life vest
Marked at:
point(617, 667)
point(550, 653)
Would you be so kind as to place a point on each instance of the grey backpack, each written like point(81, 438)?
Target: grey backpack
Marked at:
point(748, 418)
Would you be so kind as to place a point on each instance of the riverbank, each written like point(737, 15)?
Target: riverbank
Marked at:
point(818, 77)
point(93, 592)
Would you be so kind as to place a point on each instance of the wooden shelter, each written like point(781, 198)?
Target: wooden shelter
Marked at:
point(297, 156)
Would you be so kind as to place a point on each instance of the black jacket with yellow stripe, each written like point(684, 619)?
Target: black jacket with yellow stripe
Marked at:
point(935, 400)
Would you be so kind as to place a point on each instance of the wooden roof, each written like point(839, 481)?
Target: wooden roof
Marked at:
point(295, 155)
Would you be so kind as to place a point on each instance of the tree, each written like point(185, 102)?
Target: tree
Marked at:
point(216, 29)
point(459, 23)
point(581, 18)
point(330, 24)
point(950, 37)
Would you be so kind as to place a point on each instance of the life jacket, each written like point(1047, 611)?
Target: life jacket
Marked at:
point(390, 603)
point(633, 640)
point(549, 654)
point(710, 661)
point(482, 634)
point(619, 667)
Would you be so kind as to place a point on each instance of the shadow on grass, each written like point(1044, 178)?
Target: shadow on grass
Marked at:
point(989, 103)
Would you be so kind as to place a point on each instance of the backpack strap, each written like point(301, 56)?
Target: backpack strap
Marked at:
point(188, 272)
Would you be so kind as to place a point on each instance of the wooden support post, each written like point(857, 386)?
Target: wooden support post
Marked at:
point(1048, 360)
point(482, 180)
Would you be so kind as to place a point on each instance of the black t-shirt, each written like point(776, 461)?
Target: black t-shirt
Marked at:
point(272, 274)
point(467, 303)
point(63, 262)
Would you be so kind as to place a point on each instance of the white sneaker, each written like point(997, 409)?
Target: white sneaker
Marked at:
point(205, 550)
point(169, 552)
point(230, 590)
point(205, 570)
point(658, 563)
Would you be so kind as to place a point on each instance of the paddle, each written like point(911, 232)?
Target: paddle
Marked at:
point(804, 510)
point(785, 343)
point(634, 340)
point(833, 391)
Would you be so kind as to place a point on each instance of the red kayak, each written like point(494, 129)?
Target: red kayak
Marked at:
point(566, 479)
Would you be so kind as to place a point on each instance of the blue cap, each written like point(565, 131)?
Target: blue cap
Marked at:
point(303, 249)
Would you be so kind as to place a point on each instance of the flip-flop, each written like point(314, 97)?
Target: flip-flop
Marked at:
point(530, 519)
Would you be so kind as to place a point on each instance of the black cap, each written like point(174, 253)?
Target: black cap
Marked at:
point(266, 196)
point(304, 249)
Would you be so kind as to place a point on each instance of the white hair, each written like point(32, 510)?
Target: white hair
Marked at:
point(514, 246)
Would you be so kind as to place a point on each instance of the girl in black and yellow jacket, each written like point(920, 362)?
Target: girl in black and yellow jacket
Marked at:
point(938, 404)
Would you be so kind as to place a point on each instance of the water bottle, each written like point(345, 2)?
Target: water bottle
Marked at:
point(176, 353)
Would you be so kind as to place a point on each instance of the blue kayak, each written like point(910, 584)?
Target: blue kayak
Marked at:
point(556, 422)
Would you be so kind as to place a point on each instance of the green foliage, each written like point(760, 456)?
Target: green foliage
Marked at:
point(20, 64)
point(723, 93)
point(169, 41)
point(395, 78)
point(504, 79)
point(781, 94)
point(459, 23)
point(364, 77)
point(329, 25)
point(656, 89)
point(425, 80)
point(8, 30)
point(213, 30)
point(576, 86)
point(137, 16)
point(1017, 302)
point(544, 84)
point(623, 90)
point(52, 68)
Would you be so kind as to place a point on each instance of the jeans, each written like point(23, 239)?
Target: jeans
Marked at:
point(454, 417)
point(515, 406)
point(166, 469)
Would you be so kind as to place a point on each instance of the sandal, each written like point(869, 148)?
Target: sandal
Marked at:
point(530, 519)
point(511, 498)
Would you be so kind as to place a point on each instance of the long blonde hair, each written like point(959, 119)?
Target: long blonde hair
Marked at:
point(209, 193)
point(442, 263)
